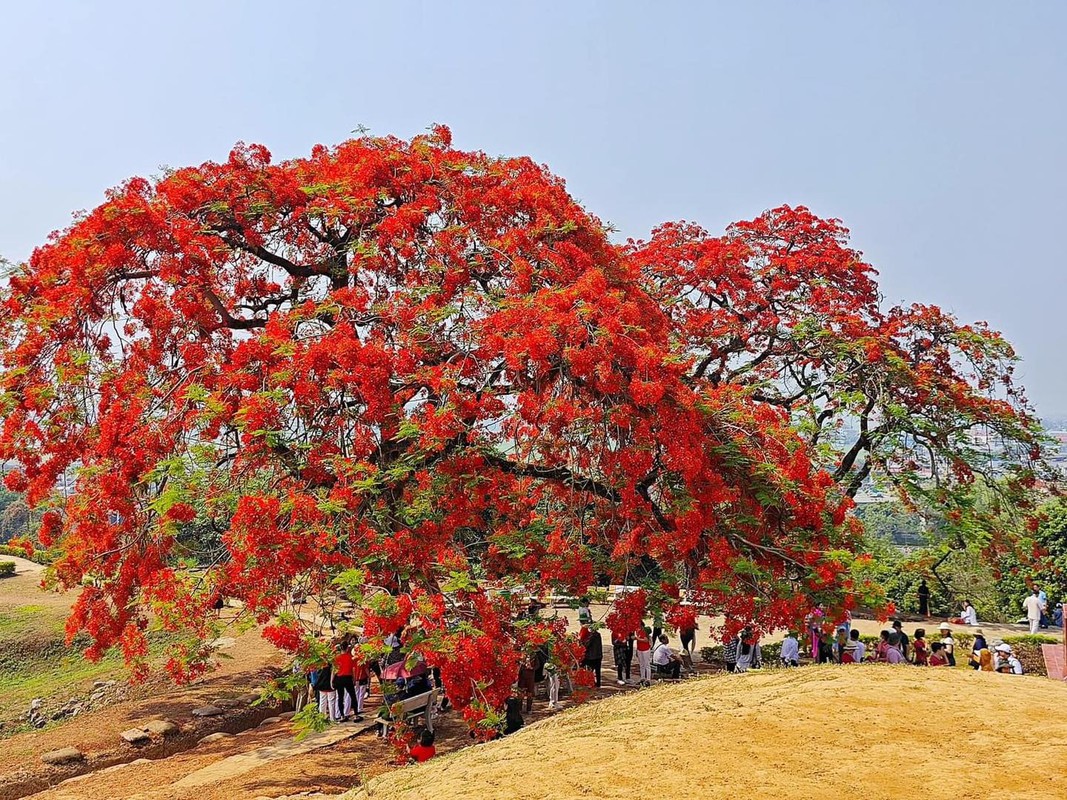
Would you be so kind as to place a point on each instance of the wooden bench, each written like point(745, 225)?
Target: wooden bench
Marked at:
point(420, 705)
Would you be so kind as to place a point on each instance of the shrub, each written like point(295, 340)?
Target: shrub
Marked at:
point(7, 568)
point(45, 557)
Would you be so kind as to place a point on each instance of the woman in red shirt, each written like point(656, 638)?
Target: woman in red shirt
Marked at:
point(644, 654)
point(347, 704)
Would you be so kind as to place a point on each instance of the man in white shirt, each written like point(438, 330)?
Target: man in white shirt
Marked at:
point(791, 650)
point(1034, 608)
point(665, 660)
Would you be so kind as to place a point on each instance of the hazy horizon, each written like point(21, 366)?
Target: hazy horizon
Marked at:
point(934, 132)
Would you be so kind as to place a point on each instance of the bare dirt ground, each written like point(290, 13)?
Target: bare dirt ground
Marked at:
point(864, 731)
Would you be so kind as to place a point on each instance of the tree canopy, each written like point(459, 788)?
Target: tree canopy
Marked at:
point(417, 375)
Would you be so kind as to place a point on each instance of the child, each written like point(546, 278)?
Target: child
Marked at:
point(424, 750)
point(922, 654)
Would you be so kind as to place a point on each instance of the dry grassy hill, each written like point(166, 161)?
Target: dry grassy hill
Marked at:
point(867, 731)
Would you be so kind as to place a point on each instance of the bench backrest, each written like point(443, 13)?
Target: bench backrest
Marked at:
point(418, 702)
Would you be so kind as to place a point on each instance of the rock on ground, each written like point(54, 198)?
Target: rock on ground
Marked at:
point(135, 736)
point(65, 755)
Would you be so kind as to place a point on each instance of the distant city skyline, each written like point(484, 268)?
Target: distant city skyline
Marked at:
point(934, 131)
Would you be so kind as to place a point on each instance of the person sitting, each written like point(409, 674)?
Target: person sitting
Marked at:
point(665, 661)
point(882, 647)
point(857, 648)
point(1057, 615)
point(969, 615)
point(424, 750)
point(979, 645)
point(790, 650)
point(1006, 661)
point(513, 716)
point(920, 653)
point(748, 655)
point(937, 655)
point(889, 648)
point(825, 649)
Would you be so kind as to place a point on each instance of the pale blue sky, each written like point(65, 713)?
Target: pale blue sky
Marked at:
point(935, 130)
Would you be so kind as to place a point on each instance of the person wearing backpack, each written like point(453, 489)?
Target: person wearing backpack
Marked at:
point(323, 684)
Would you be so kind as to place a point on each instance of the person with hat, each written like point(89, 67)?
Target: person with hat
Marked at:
point(948, 644)
point(1006, 660)
point(979, 645)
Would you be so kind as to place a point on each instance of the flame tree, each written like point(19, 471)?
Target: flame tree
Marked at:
point(416, 375)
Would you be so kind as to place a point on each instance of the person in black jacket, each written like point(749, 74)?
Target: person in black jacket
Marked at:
point(513, 716)
point(594, 653)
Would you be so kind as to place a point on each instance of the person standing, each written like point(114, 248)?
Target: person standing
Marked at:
point(1044, 605)
point(620, 652)
point(643, 648)
point(527, 684)
point(585, 615)
point(1034, 608)
point(924, 598)
point(343, 682)
point(594, 652)
point(729, 653)
point(688, 635)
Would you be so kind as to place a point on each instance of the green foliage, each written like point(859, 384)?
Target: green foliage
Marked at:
point(7, 568)
point(309, 720)
point(1050, 572)
point(1033, 638)
point(39, 556)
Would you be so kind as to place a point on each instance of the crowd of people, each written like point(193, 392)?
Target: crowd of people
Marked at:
point(894, 646)
point(340, 686)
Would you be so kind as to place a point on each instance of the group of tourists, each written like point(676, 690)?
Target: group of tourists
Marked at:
point(647, 644)
point(896, 647)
